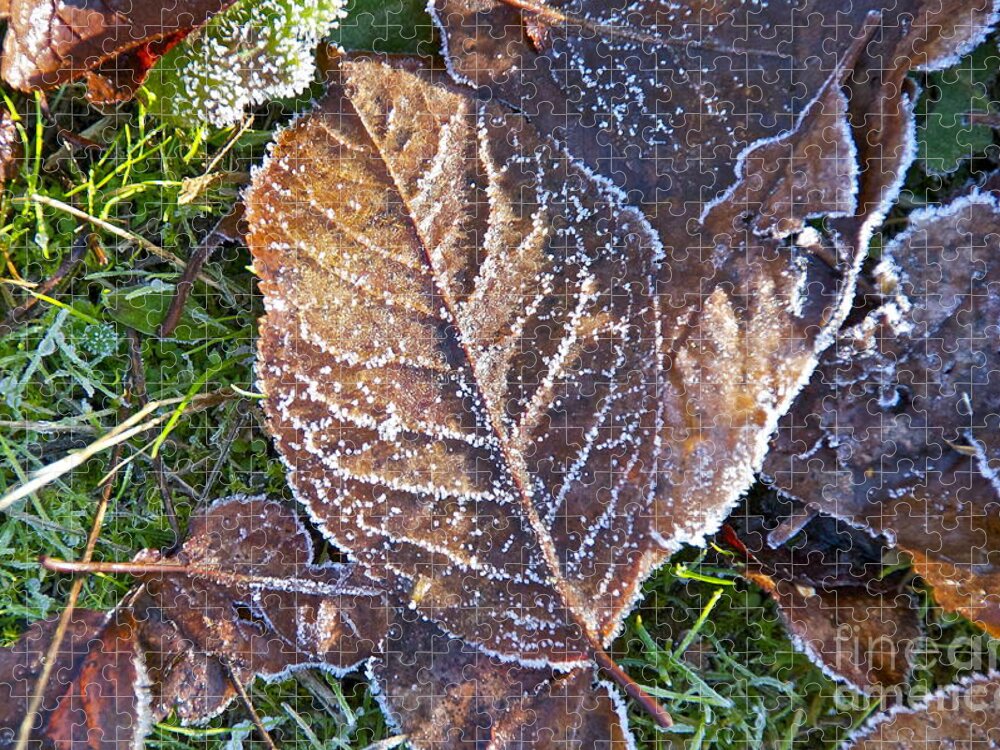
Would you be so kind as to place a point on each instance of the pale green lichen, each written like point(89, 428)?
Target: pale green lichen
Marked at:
point(256, 51)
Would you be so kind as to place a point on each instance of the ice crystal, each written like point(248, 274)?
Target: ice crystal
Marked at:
point(256, 51)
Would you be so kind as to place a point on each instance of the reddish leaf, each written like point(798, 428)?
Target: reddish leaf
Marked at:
point(965, 716)
point(897, 432)
point(111, 43)
point(98, 694)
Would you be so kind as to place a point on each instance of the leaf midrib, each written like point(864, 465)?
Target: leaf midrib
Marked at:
point(514, 465)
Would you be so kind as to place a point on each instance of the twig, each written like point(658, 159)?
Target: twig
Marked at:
point(226, 230)
point(632, 688)
point(67, 267)
point(128, 429)
point(139, 386)
point(124, 234)
point(306, 586)
point(254, 716)
point(990, 119)
point(182, 486)
point(242, 410)
point(168, 500)
point(107, 226)
point(24, 733)
point(28, 425)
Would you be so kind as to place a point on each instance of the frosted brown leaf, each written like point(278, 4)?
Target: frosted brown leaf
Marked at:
point(852, 617)
point(663, 97)
point(487, 382)
point(110, 43)
point(964, 716)
point(240, 599)
point(448, 695)
point(897, 432)
point(244, 598)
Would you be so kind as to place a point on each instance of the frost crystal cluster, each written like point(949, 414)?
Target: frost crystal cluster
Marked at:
point(256, 51)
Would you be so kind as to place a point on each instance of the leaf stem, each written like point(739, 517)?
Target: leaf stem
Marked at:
point(305, 586)
point(632, 689)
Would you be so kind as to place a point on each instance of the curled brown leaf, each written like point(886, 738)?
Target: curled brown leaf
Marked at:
point(240, 599)
point(897, 432)
point(111, 43)
point(828, 581)
point(250, 598)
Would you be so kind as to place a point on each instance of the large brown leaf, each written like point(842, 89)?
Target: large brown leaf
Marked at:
point(965, 716)
point(111, 43)
point(487, 384)
point(898, 430)
point(663, 96)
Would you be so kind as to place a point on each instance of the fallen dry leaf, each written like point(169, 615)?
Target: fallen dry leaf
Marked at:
point(240, 599)
point(443, 693)
point(965, 716)
point(859, 625)
point(110, 43)
point(243, 598)
point(254, 610)
point(663, 97)
point(897, 432)
point(388, 344)
point(98, 695)
point(485, 380)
